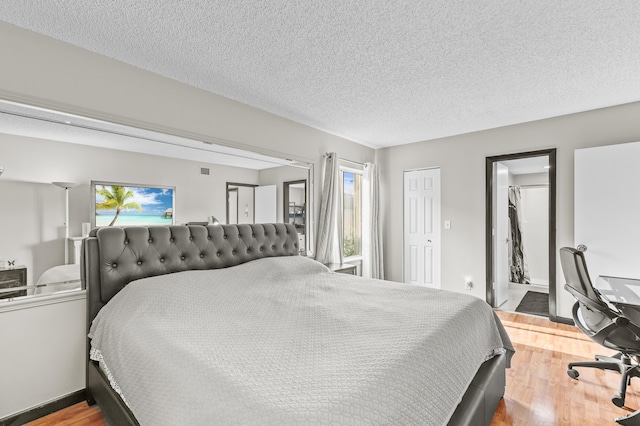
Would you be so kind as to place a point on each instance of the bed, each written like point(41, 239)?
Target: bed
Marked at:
point(58, 278)
point(227, 324)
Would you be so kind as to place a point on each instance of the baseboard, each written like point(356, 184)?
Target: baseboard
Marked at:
point(43, 410)
point(564, 320)
point(533, 287)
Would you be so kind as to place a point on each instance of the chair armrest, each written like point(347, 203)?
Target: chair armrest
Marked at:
point(617, 321)
point(626, 323)
point(598, 335)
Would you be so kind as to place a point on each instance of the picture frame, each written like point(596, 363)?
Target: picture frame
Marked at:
point(128, 204)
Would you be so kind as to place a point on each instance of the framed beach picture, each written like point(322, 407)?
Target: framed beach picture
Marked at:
point(125, 204)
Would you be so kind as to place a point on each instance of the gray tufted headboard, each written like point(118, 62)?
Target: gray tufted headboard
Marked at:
point(113, 257)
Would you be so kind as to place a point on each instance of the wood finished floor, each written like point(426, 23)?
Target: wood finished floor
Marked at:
point(539, 392)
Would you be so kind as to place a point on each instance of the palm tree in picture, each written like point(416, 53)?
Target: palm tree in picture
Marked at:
point(116, 199)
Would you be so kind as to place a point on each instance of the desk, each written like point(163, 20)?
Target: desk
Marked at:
point(623, 293)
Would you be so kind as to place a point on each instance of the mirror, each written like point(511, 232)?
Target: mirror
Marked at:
point(295, 207)
point(41, 146)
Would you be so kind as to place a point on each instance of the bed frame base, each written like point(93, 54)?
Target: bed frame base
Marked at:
point(114, 410)
point(477, 407)
point(483, 395)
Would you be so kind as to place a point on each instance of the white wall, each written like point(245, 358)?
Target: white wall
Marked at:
point(296, 196)
point(530, 179)
point(42, 353)
point(31, 223)
point(462, 162)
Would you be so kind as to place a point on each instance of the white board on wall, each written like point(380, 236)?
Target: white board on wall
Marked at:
point(607, 208)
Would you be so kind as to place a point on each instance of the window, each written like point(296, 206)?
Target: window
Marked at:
point(351, 185)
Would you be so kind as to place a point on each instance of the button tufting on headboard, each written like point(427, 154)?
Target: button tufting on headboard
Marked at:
point(130, 253)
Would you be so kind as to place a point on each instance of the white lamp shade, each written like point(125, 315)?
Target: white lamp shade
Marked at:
point(65, 185)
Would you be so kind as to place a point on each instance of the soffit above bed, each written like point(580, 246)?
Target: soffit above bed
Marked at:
point(377, 72)
point(24, 120)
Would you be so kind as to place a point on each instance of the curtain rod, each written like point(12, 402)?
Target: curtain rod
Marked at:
point(539, 185)
point(326, 154)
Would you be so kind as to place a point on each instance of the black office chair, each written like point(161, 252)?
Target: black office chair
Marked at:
point(631, 419)
point(602, 323)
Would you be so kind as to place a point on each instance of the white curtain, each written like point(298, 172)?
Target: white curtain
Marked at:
point(372, 261)
point(329, 247)
point(519, 270)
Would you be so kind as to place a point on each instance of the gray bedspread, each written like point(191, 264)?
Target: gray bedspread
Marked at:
point(285, 341)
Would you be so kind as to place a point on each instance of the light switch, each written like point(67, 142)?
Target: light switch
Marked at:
point(447, 224)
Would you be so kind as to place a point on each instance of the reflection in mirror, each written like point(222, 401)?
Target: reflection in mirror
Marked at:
point(58, 279)
point(41, 146)
point(295, 207)
point(240, 203)
point(247, 203)
point(232, 205)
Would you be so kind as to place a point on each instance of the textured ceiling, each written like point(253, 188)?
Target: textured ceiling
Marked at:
point(378, 72)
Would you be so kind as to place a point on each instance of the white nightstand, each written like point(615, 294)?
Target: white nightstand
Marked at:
point(343, 268)
point(77, 246)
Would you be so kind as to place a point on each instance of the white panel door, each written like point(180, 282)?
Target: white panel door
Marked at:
point(501, 233)
point(422, 227)
point(607, 209)
point(265, 204)
point(233, 207)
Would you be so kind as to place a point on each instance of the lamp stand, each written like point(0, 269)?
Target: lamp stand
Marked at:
point(66, 226)
point(66, 186)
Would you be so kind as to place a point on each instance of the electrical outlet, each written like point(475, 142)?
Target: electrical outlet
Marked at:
point(468, 284)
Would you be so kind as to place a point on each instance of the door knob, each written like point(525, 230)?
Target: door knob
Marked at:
point(582, 248)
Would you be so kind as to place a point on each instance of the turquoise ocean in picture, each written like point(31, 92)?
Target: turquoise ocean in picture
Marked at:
point(139, 206)
point(133, 220)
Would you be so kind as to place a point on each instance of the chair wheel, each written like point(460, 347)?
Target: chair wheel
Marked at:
point(617, 400)
point(573, 373)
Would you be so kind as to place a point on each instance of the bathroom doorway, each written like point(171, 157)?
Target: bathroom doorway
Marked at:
point(521, 232)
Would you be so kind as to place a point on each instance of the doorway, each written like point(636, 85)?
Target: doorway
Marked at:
point(520, 229)
point(422, 227)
